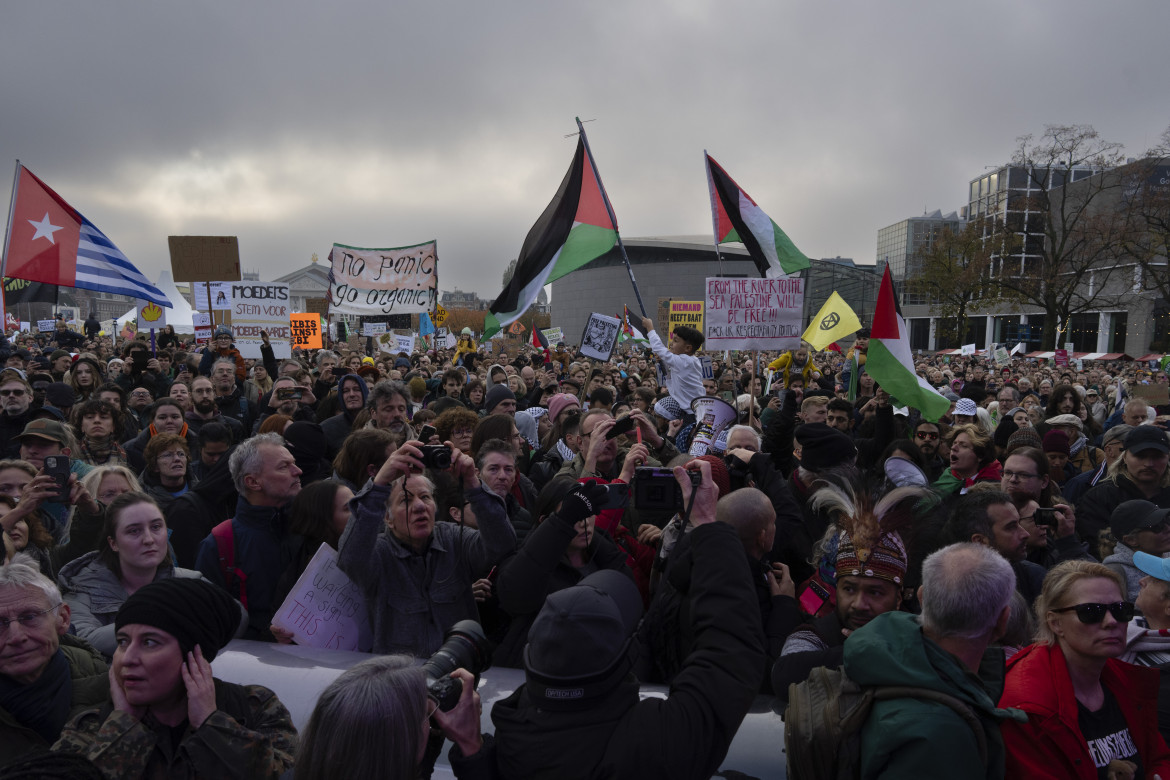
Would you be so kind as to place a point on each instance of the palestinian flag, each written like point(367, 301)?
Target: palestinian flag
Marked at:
point(737, 218)
point(573, 230)
point(889, 361)
point(629, 331)
point(540, 341)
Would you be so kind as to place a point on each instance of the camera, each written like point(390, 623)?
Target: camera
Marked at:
point(465, 647)
point(436, 456)
point(1046, 517)
point(655, 488)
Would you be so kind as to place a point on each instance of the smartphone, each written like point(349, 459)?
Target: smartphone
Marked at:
point(139, 359)
point(1045, 517)
point(623, 425)
point(617, 495)
point(289, 393)
point(425, 434)
point(813, 598)
point(57, 467)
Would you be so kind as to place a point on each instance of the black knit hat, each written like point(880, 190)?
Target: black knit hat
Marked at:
point(193, 611)
point(498, 393)
point(822, 447)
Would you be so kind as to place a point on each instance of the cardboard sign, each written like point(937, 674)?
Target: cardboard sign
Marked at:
point(151, 316)
point(258, 306)
point(317, 306)
point(1154, 395)
point(600, 336)
point(402, 280)
point(221, 296)
point(754, 313)
point(1002, 358)
point(204, 258)
point(202, 323)
point(439, 316)
point(305, 330)
point(44, 326)
point(325, 608)
point(373, 328)
point(684, 313)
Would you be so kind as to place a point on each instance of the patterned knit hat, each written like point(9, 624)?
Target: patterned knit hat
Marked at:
point(886, 561)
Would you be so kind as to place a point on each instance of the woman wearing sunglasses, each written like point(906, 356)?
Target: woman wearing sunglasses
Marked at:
point(1089, 715)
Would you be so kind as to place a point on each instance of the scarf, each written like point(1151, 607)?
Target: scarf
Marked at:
point(154, 431)
point(1145, 646)
point(102, 451)
point(566, 453)
point(42, 706)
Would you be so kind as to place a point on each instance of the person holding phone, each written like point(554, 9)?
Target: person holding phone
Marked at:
point(56, 493)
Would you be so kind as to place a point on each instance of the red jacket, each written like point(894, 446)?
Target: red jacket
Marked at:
point(1050, 744)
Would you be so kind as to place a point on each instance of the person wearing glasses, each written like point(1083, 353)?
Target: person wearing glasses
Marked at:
point(1139, 527)
point(928, 436)
point(46, 675)
point(1052, 535)
point(16, 401)
point(1089, 714)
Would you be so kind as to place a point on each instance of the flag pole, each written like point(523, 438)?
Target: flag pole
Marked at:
point(714, 222)
point(612, 218)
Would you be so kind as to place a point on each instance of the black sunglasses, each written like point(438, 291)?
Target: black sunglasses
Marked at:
point(1091, 614)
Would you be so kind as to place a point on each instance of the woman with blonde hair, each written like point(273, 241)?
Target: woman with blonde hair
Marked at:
point(972, 460)
point(1089, 714)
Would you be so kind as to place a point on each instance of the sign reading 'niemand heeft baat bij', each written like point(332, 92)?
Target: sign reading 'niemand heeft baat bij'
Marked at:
point(753, 313)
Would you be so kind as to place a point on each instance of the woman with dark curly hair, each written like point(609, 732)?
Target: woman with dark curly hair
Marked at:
point(457, 426)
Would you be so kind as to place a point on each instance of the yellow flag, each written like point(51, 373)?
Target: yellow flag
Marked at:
point(834, 321)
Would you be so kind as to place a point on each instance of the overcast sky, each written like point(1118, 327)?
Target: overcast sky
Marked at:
point(295, 125)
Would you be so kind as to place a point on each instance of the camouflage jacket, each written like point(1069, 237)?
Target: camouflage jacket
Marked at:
point(251, 735)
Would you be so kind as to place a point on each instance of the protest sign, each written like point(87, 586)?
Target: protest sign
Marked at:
point(317, 306)
point(26, 326)
point(967, 349)
point(1154, 395)
point(684, 313)
point(151, 316)
point(405, 343)
point(325, 609)
point(402, 280)
point(1002, 358)
point(553, 335)
point(258, 306)
point(204, 258)
point(373, 328)
point(1061, 357)
point(450, 342)
point(108, 326)
point(202, 323)
point(600, 335)
point(754, 313)
point(708, 366)
point(305, 330)
point(440, 315)
point(44, 326)
point(221, 296)
point(1018, 348)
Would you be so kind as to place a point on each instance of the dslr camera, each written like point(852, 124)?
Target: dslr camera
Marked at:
point(436, 457)
point(655, 488)
point(465, 647)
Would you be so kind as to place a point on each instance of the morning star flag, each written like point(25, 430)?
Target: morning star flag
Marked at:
point(889, 361)
point(736, 217)
point(834, 321)
point(49, 241)
point(574, 229)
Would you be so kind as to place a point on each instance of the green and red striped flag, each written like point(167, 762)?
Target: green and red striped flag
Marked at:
point(891, 364)
point(575, 229)
point(737, 218)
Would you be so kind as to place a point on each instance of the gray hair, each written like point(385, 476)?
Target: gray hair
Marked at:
point(964, 589)
point(23, 572)
point(323, 355)
point(387, 389)
point(93, 480)
point(749, 429)
point(367, 723)
point(248, 459)
point(226, 361)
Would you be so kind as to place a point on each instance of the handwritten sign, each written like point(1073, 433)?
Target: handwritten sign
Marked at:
point(325, 609)
point(403, 280)
point(306, 330)
point(258, 306)
point(553, 335)
point(373, 328)
point(754, 313)
point(684, 313)
point(405, 343)
point(44, 326)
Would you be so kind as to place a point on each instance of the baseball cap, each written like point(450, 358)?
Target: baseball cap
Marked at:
point(1147, 437)
point(1158, 568)
point(47, 430)
point(1135, 515)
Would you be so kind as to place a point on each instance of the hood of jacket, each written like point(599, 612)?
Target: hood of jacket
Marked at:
point(361, 385)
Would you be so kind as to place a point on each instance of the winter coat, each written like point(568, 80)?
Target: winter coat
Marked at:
point(915, 738)
point(91, 686)
point(1050, 744)
point(683, 736)
point(1121, 561)
point(1098, 503)
point(413, 597)
point(95, 594)
point(250, 735)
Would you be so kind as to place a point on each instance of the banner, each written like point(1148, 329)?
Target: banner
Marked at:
point(202, 323)
point(684, 313)
point(754, 313)
point(402, 280)
point(305, 330)
point(221, 296)
point(258, 306)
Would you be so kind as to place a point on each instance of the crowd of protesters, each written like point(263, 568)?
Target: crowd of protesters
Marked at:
point(159, 501)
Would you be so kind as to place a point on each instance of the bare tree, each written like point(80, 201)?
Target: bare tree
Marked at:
point(953, 275)
point(1148, 195)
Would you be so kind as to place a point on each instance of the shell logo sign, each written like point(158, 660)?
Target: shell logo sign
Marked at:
point(152, 313)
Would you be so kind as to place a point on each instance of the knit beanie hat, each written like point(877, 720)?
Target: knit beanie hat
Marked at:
point(193, 611)
point(1004, 431)
point(886, 561)
point(823, 447)
point(719, 473)
point(1024, 437)
point(500, 392)
point(1056, 441)
point(559, 402)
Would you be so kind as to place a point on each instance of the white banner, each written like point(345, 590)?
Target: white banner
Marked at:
point(754, 313)
point(258, 306)
point(402, 280)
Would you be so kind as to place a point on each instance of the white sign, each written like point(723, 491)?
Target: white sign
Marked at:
point(553, 335)
point(151, 316)
point(1018, 348)
point(44, 326)
point(221, 296)
point(450, 342)
point(258, 306)
point(600, 335)
point(402, 280)
point(441, 333)
point(1002, 358)
point(325, 608)
point(709, 368)
point(967, 349)
point(373, 328)
point(754, 313)
point(202, 323)
point(1068, 345)
point(405, 343)
point(108, 326)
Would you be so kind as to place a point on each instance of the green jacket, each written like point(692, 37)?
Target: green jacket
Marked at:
point(911, 738)
point(91, 686)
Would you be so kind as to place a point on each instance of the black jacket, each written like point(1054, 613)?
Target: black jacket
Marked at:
point(1098, 503)
point(684, 736)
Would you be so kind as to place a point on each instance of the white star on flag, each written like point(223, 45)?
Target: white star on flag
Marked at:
point(45, 229)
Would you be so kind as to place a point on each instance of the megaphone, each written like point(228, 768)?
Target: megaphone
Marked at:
point(712, 415)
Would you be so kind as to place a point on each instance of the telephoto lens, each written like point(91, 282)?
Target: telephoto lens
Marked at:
point(465, 647)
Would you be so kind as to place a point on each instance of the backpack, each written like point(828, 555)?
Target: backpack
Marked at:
point(825, 715)
point(225, 543)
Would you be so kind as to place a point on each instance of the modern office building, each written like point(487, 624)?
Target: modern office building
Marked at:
point(900, 246)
